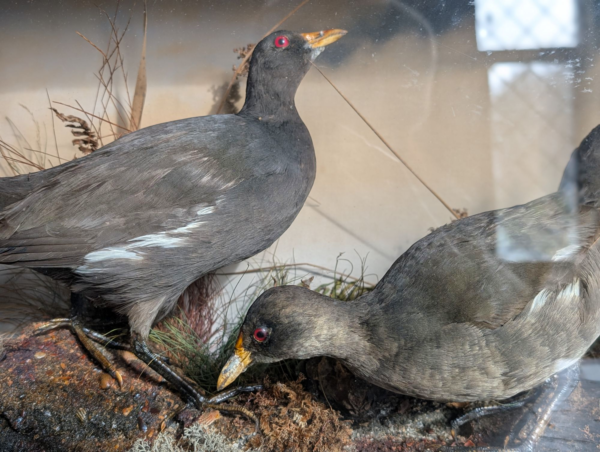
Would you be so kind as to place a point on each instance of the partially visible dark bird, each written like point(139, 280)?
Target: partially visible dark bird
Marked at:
point(132, 225)
point(483, 308)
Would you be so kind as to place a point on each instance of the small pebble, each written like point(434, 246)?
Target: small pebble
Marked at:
point(142, 424)
point(105, 380)
point(39, 355)
point(127, 410)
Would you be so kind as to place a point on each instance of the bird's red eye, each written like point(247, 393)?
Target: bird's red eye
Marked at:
point(281, 42)
point(260, 334)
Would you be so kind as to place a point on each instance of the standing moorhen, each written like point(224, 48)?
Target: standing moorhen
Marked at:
point(132, 225)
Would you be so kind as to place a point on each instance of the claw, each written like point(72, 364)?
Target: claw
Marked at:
point(117, 376)
point(82, 334)
point(52, 325)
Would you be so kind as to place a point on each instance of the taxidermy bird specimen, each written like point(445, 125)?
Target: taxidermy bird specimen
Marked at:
point(132, 225)
point(483, 308)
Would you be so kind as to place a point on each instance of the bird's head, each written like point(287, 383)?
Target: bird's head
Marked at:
point(280, 61)
point(289, 322)
point(283, 52)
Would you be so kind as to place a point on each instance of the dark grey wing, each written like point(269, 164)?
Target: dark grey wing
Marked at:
point(485, 269)
point(157, 184)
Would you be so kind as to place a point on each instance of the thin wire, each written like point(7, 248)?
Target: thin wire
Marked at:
point(400, 159)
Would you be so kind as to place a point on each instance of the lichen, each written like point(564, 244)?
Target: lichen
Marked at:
point(197, 438)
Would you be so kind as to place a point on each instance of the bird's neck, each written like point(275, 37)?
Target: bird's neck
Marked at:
point(341, 334)
point(270, 99)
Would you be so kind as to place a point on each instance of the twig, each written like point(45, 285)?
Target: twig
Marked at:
point(247, 57)
point(111, 97)
point(119, 55)
point(97, 117)
point(93, 45)
point(383, 140)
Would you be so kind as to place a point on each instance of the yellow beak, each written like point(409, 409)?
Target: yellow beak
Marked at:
point(237, 364)
point(323, 38)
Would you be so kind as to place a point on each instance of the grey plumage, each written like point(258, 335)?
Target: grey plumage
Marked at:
point(482, 308)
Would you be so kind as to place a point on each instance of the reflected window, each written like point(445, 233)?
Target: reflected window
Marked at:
point(532, 127)
point(526, 24)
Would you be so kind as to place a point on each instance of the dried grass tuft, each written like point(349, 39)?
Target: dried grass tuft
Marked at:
point(199, 338)
point(244, 54)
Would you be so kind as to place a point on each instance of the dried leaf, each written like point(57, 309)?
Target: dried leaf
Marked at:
point(139, 96)
point(89, 142)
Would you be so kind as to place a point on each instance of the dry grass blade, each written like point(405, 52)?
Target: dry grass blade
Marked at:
point(13, 155)
point(86, 140)
point(383, 140)
point(241, 66)
point(139, 95)
point(53, 127)
point(296, 265)
point(92, 115)
point(112, 62)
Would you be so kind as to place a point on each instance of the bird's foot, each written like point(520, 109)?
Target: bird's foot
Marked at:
point(478, 413)
point(190, 393)
point(530, 426)
point(85, 335)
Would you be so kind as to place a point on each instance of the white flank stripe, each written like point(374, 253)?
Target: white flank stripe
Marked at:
point(539, 300)
point(111, 253)
point(566, 253)
point(164, 239)
point(571, 291)
point(206, 211)
point(569, 294)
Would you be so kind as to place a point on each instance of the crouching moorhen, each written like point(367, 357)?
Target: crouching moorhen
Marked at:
point(483, 308)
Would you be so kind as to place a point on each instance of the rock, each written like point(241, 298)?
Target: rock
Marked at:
point(51, 399)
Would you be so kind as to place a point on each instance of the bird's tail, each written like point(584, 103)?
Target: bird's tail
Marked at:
point(13, 189)
point(581, 177)
point(16, 188)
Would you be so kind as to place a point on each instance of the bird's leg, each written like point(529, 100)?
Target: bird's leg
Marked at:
point(524, 439)
point(105, 340)
point(488, 410)
point(155, 362)
point(82, 334)
point(143, 352)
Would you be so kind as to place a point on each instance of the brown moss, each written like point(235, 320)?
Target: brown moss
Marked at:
point(291, 419)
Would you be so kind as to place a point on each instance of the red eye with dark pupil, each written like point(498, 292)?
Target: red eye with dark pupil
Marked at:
point(260, 334)
point(281, 42)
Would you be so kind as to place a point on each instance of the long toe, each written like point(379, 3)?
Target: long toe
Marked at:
point(84, 334)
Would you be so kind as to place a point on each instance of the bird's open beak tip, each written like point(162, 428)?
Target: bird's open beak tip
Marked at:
point(323, 38)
